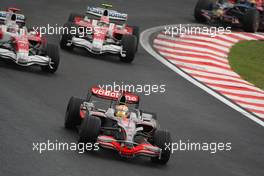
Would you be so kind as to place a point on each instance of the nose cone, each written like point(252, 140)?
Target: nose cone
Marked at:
point(99, 38)
point(22, 57)
point(97, 45)
point(105, 19)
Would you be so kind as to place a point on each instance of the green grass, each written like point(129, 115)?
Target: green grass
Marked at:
point(247, 59)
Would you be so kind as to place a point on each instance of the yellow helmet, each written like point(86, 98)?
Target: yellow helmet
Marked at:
point(121, 111)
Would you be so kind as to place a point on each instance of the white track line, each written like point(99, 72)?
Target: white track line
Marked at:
point(145, 42)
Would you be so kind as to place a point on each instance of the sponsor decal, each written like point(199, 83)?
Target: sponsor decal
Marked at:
point(112, 13)
point(113, 95)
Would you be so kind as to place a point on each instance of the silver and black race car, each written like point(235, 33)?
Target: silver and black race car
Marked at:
point(120, 125)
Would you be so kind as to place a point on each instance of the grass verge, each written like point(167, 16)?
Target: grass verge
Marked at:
point(247, 59)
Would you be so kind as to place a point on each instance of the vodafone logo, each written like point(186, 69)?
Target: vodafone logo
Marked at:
point(113, 95)
point(105, 93)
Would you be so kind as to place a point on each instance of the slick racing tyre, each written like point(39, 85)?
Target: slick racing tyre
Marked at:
point(53, 53)
point(161, 139)
point(72, 16)
point(202, 5)
point(251, 20)
point(129, 43)
point(66, 37)
point(72, 115)
point(89, 130)
point(136, 32)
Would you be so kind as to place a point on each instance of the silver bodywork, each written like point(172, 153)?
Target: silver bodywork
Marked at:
point(130, 128)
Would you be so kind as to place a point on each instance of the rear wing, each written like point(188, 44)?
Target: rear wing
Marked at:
point(110, 95)
point(113, 15)
point(6, 15)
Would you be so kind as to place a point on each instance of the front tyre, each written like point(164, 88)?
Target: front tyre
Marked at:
point(162, 139)
point(129, 44)
point(53, 53)
point(136, 32)
point(89, 130)
point(67, 37)
point(72, 115)
point(251, 21)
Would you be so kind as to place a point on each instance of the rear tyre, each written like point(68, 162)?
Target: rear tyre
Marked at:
point(129, 43)
point(53, 53)
point(72, 16)
point(66, 37)
point(202, 5)
point(72, 115)
point(89, 130)
point(136, 32)
point(251, 21)
point(161, 139)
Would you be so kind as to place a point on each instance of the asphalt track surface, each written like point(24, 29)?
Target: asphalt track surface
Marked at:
point(32, 105)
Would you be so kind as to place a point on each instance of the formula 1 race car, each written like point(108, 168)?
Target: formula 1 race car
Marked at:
point(107, 33)
point(25, 47)
point(244, 14)
point(104, 118)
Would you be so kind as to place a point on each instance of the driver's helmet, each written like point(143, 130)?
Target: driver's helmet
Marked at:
point(121, 109)
point(12, 28)
point(104, 21)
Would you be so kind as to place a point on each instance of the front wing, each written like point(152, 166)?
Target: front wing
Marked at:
point(106, 48)
point(143, 149)
point(24, 60)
